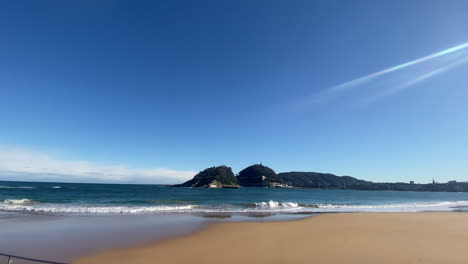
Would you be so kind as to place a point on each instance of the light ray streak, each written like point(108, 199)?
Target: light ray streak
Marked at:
point(374, 75)
point(420, 78)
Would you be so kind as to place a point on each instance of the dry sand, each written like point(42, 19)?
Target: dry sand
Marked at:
point(329, 238)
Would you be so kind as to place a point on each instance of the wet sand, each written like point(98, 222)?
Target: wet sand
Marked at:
point(329, 238)
point(63, 238)
point(67, 237)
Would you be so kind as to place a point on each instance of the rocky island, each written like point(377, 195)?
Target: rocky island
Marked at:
point(258, 176)
point(214, 177)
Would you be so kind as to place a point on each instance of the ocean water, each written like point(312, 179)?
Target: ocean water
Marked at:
point(108, 199)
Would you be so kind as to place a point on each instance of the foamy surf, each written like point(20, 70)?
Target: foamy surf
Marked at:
point(18, 201)
point(275, 206)
point(31, 206)
point(335, 208)
point(404, 207)
point(264, 207)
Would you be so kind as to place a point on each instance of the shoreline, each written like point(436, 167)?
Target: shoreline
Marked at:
point(66, 237)
point(425, 237)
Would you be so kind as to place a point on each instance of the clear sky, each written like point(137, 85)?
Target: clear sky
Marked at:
point(151, 91)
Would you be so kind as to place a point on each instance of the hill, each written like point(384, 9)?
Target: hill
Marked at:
point(331, 181)
point(320, 180)
point(258, 176)
point(212, 177)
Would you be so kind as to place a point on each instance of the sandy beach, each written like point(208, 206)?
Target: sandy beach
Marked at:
point(328, 238)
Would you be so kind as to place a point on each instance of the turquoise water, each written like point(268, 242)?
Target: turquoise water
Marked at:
point(73, 198)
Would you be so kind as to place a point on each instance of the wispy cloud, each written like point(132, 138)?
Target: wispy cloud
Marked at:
point(23, 164)
point(397, 78)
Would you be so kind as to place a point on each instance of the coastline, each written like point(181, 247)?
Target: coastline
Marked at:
point(66, 237)
point(426, 237)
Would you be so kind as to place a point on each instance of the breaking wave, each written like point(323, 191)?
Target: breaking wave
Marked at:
point(325, 208)
point(18, 202)
point(28, 205)
point(32, 206)
point(403, 207)
point(274, 205)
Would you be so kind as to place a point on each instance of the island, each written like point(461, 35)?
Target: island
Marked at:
point(258, 175)
point(214, 177)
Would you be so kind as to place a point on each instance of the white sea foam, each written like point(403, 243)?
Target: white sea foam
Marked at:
point(29, 206)
point(274, 205)
point(18, 202)
point(56, 187)
point(270, 206)
point(403, 207)
point(323, 208)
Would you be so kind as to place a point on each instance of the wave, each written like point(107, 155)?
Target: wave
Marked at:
point(276, 205)
point(18, 202)
point(148, 202)
point(56, 187)
point(17, 187)
point(31, 206)
point(325, 208)
point(403, 207)
point(270, 206)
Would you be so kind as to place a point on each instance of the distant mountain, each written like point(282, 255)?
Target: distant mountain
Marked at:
point(451, 186)
point(258, 176)
point(320, 180)
point(330, 181)
point(212, 177)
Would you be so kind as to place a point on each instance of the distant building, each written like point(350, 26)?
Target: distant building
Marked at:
point(279, 185)
point(411, 182)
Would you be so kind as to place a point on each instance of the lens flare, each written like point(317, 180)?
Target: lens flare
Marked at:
point(374, 75)
point(421, 78)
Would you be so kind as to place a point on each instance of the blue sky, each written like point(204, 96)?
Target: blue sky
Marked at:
point(149, 91)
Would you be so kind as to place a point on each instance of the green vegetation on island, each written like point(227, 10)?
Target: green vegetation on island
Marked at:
point(214, 177)
point(258, 176)
point(319, 180)
point(330, 181)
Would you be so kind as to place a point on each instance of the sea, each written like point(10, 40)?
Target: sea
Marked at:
point(132, 199)
point(64, 221)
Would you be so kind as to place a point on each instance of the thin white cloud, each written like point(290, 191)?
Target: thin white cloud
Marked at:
point(31, 165)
